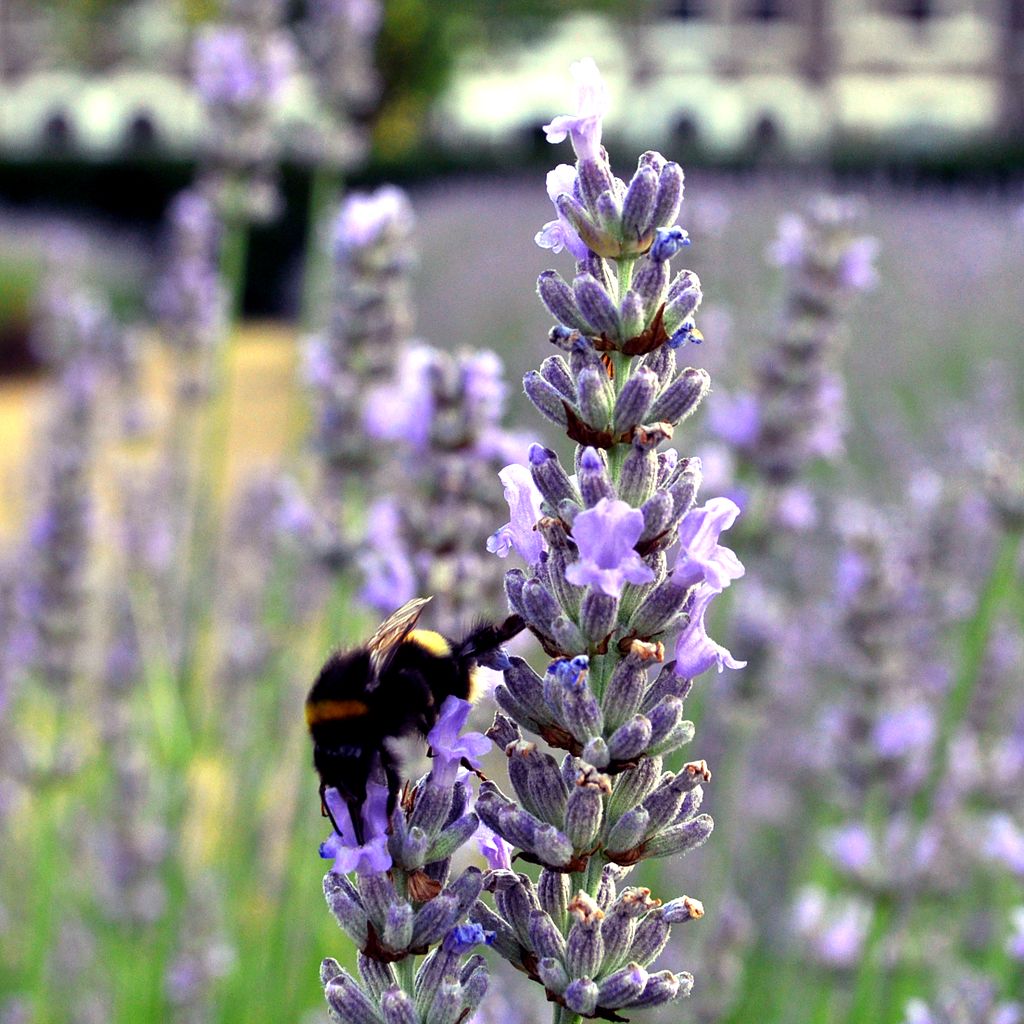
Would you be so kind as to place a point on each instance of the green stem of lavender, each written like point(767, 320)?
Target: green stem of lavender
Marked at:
point(870, 987)
point(234, 251)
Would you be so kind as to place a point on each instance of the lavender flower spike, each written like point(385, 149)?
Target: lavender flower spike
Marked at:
point(606, 535)
point(583, 127)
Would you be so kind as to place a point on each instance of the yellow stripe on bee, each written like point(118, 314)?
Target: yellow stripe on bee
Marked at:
point(474, 685)
point(333, 710)
point(433, 643)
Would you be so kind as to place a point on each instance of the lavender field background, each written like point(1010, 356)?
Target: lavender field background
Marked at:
point(197, 506)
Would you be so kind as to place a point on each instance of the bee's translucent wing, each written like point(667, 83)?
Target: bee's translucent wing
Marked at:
point(392, 631)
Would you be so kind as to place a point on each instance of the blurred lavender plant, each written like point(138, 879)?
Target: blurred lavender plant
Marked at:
point(794, 415)
point(339, 38)
point(368, 325)
point(240, 69)
point(428, 535)
point(972, 999)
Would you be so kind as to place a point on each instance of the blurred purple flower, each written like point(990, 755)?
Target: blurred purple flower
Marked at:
point(696, 652)
point(524, 502)
point(389, 577)
point(366, 216)
point(404, 412)
point(851, 847)
point(559, 234)
point(484, 386)
point(857, 271)
point(583, 127)
point(701, 557)
point(605, 536)
point(790, 244)
point(1005, 843)
point(348, 855)
point(449, 748)
point(796, 509)
point(735, 418)
point(901, 731)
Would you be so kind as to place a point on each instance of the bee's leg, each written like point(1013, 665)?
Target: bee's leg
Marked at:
point(394, 786)
point(325, 811)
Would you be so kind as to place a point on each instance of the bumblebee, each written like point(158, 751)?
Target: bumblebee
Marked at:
point(390, 687)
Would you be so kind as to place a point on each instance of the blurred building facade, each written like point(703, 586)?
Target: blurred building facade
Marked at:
point(800, 76)
point(723, 77)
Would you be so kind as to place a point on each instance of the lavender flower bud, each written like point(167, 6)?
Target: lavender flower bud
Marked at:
point(446, 1007)
point(664, 803)
point(548, 791)
point(545, 938)
point(594, 481)
point(680, 839)
point(552, 847)
point(474, 988)
point(598, 613)
point(624, 690)
point(596, 306)
point(584, 949)
point(515, 898)
point(593, 237)
point(556, 294)
point(630, 740)
point(431, 809)
point(555, 370)
point(568, 595)
point(516, 826)
point(581, 996)
point(329, 970)
point(669, 196)
point(503, 730)
point(651, 937)
point(349, 1002)
point(540, 607)
point(667, 723)
point(552, 481)
point(515, 580)
point(657, 511)
point(632, 314)
point(377, 976)
point(639, 474)
point(667, 242)
point(507, 702)
point(596, 396)
point(662, 362)
point(398, 1007)
point(409, 848)
point(638, 205)
point(346, 907)
point(622, 987)
point(546, 400)
point(649, 282)
point(684, 297)
point(664, 987)
point(583, 816)
point(378, 895)
point(553, 893)
point(634, 400)
point(566, 633)
point(594, 177)
point(453, 836)
point(609, 215)
point(682, 396)
point(398, 925)
point(633, 786)
point(661, 606)
point(595, 752)
point(552, 975)
point(684, 490)
point(524, 683)
point(680, 910)
point(628, 832)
